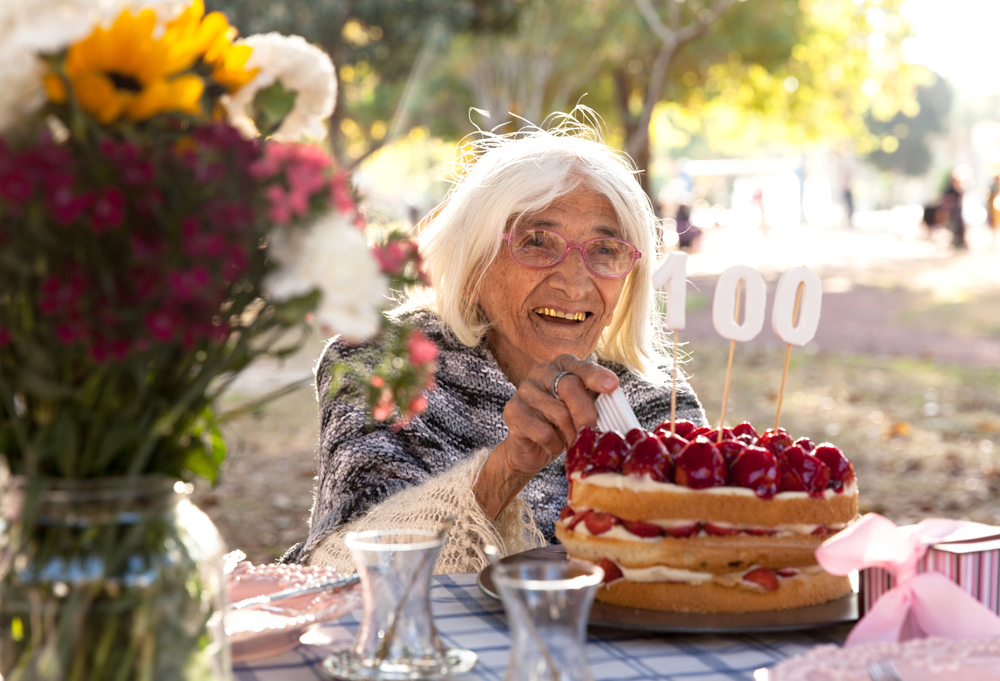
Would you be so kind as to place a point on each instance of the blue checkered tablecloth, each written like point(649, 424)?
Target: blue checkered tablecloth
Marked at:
point(466, 618)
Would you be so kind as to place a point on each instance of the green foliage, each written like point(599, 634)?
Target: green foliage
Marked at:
point(375, 46)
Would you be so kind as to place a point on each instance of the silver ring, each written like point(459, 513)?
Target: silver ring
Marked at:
point(554, 389)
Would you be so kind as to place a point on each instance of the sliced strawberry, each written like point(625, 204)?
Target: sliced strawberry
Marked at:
point(761, 531)
point(720, 530)
point(577, 519)
point(821, 531)
point(599, 522)
point(762, 577)
point(566, 512)
point(641, 529)
point(681, 531)
point(612, 573)
point(788, 572)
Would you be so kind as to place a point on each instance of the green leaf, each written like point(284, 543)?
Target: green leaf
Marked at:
point(270, 107)
point(199, 461)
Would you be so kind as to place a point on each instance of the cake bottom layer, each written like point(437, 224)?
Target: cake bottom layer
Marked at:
point(711, 597)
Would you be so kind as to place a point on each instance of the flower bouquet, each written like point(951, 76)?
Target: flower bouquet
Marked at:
point(162, 225)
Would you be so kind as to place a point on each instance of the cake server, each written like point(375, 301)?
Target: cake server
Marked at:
point(615, 413)
point(332, 584)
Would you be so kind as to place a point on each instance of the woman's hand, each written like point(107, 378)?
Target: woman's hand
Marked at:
point(541, 426)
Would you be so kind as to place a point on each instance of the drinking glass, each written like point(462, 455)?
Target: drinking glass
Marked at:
point(397, 638)
point(547, 605)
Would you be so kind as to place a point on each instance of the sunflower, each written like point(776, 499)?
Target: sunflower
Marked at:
point(211, 39)
point(126, 70)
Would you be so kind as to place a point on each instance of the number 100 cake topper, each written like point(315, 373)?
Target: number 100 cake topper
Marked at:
point(794, 315)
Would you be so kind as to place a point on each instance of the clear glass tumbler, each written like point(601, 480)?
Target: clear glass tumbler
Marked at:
point(397, 638)
point(547, 605)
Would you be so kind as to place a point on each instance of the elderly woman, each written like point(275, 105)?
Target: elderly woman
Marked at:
point(541, 262)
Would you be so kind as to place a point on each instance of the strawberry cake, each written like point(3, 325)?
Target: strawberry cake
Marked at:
point(691, 523)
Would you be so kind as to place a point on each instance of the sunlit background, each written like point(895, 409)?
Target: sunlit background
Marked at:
point(788, 132)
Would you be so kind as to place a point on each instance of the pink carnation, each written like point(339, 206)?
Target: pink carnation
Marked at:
point(340, 194)
point(393, 256)
point(421, 349)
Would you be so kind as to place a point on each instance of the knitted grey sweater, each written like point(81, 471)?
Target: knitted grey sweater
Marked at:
point(359, 468)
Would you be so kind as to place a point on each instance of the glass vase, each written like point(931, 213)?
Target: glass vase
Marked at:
point(547, 605)
point(109, 579)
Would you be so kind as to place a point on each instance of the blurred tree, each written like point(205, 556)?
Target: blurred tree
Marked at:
point(904, 138)
point(736, 74)
point(383, 51)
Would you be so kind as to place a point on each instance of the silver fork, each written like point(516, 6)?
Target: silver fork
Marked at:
point(883, 670)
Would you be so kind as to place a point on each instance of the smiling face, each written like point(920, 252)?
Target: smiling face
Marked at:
point(537, 314)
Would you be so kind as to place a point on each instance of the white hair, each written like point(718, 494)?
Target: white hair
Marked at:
point(505, 177)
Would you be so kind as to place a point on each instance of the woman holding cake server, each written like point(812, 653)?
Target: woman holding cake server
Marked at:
point(541, 261)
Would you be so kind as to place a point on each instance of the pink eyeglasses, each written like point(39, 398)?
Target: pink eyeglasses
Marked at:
point(540, 248)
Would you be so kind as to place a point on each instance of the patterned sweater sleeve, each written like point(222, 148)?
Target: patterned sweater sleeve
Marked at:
point(374, 478)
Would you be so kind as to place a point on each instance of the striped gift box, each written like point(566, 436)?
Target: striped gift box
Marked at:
point(974, 565)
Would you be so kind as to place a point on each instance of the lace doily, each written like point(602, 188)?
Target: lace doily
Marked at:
point(925, 659)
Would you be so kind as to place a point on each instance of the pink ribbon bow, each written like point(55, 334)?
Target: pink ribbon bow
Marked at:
point(920, 605)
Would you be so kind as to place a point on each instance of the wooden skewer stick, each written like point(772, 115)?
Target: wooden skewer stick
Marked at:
point(788, 354)
point(729, 368)
point(673, 392)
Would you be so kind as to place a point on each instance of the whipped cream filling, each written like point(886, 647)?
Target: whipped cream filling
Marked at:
point(632, 483)
point(663, 573)
point(616, 532)
point(619, 531)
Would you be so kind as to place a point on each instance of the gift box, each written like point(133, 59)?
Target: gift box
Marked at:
point(973, 564)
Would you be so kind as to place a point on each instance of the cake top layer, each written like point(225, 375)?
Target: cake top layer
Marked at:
point(700, 458)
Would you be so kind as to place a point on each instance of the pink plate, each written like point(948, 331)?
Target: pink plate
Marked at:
point(262, 631)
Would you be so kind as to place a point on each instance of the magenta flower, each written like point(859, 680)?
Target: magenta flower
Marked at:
point(146, 246)
point(71, 331)
point(229, 216)
point(162, 324)
point(65, 204)
point(16, 186)
point(104, 349)
point(188, 284)
point(197, 243)
point(108, 211)
point(58, 295)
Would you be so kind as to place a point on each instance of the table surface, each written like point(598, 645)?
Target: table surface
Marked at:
point(467, 618)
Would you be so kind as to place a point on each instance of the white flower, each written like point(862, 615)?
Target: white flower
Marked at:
point(49, 26)
point(301, 68)
point(333, 257)
point(21, 90)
